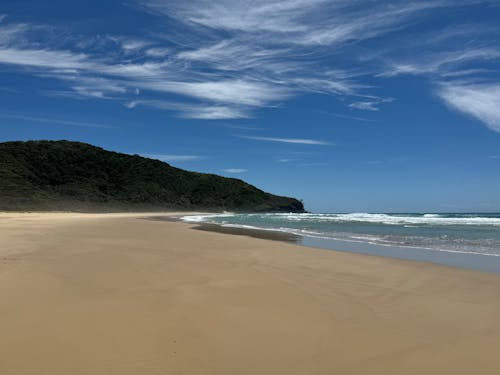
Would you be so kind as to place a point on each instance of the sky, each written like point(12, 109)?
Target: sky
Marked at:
point(350, 105)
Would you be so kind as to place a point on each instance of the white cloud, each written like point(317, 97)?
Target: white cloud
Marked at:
point(296, 21)
point(172, 158)
point(481, 101)
point(193, 111)
point(364, 106)
point(238, 15)
point(370, 105)
point(12, 32)
point(157, 52)
point(211, 112)
point(235, 170)
point(221, 50)
point(88, 87)
point(43, 58)
point(231, 57)
point(325, 85)
point(301, 141)
point(270, 51)
point(369, 22)
point(239, 91)
point(443, 63)
point(133, 45)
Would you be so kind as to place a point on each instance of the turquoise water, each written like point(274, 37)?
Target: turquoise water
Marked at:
point(471, 233)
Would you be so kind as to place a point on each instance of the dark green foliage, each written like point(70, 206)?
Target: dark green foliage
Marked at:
point(64, 175)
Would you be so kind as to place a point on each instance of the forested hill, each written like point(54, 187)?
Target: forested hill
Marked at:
point(64, 175)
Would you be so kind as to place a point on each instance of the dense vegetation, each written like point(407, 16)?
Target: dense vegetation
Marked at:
point(64, 175)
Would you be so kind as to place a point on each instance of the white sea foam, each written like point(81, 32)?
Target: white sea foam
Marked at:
point(388, 219)
point(437, 232)
point(203, 218)
point(426, 219)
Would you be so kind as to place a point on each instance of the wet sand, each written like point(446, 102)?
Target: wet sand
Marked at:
point(117, 294)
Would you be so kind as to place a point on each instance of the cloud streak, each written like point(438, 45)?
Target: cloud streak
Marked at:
point(193, 111)
point(443, 63)
point(235, 170)
point(370, 105)
point(297, 141)
point(172, 158)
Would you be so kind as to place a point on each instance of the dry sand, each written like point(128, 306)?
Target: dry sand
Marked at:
point(118, 294)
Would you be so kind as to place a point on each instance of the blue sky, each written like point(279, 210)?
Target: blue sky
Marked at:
point(352, 105)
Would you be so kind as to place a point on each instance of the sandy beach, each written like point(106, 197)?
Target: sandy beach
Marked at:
point(118, 294)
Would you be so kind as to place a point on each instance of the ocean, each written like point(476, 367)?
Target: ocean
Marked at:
point(474, 238)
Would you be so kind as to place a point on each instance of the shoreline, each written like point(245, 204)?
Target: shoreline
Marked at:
point(456, 260)
point(120, 295)
point(460, 260)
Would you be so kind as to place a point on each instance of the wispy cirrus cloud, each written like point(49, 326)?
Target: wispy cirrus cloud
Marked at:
point(443, 63)
point(41, 58)
point(481, 101)
point(459, 62)
point(370, 105)
point(243, 92)
point(235, 170)
point(298, 141)
point(233, 58)
point(278, 16)
point(172, 158)
point(194, 111)
point(130, 45)
point(302, 21)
